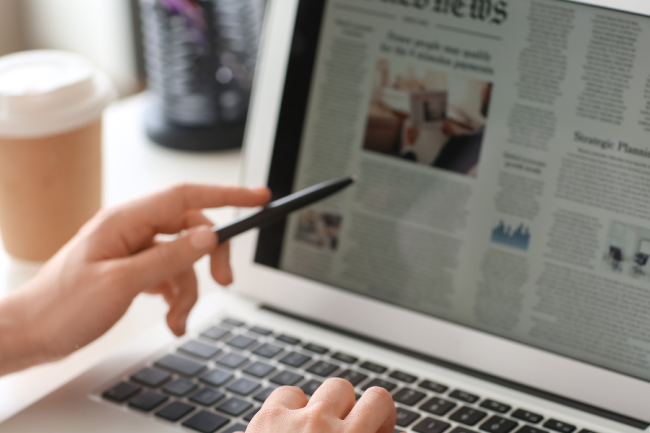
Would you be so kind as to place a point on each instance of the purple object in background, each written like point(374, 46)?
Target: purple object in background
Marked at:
point(193, 13)
point(201, 58)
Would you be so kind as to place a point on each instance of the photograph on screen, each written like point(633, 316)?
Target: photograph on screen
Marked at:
point(627, 251)
point(319, 229)
point(427, 116)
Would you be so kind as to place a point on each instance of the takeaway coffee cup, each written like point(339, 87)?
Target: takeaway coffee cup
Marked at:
point(51, 104)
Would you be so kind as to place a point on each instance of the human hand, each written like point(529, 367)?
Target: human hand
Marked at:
point(90, 283)
point(331, 409)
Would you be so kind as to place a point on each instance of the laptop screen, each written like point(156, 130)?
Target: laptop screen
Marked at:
point(502, 153)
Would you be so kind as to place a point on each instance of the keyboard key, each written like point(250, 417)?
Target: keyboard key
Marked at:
point(259, 369)
point(241, 342)
point(121, 392)
point(495, 406)
point(206, 422)
point(560, 426)
point(464, 396)
point(232, 360)
point(462, 430)
point(322, 368)
point(216, 377)
point(404, 377)
point(529, 429)
point(375, 368)
point(433, 386)
point(468, 416)
point(584, 430)
point(179, 387)
point(316, 348)
point(207, 396)
point(267, 350)
point(295, 359)
point(348, 359)
point(175, 411)
point(286, 378)
point(354, 377)
point(496, 424)
point(408, 396)
point(264, 394)
point(388, 386)
point(438, 406)
point(530, 417)
point(148, 401)
point(215, 333)
point(233, 322)
point(430, 425)
point(262, 331)
point(199, 350)
point(234, 406)
point(243, 386)
point(309, 388)
point(235, 428)
point(250, 415)
point(287, 339)
point(405, 417)
point(179, 365)
point(151, 377)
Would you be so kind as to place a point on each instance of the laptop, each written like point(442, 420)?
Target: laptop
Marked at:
point(501, 151)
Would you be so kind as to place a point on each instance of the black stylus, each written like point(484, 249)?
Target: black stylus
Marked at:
point(279, 209)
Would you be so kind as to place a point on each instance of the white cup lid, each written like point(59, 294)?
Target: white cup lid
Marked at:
point(48, 92)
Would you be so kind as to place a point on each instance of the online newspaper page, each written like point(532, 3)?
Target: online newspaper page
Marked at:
point(504, 169)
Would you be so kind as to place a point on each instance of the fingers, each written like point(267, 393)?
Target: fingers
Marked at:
point(167, 289)
point(286, 397)
point(166, 260)
point(181, 294)
point(220, 264)
point(195, 217)
point(374, 413)
point(336, 396)
point(182, 304)
point(164, 211)
point(281, 412)
point(219, 257)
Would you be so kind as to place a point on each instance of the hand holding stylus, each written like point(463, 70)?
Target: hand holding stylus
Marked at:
point(90, 283)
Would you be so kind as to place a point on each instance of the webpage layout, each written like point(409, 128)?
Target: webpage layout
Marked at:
point(503, 155)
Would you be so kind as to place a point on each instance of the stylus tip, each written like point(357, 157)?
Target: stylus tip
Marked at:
point(353, 178)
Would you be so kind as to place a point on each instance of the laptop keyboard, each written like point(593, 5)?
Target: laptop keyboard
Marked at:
point(219, 381)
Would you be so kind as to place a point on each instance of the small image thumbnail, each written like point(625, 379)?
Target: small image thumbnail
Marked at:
point(320, 229)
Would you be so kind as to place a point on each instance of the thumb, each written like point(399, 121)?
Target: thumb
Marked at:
point(169, 259)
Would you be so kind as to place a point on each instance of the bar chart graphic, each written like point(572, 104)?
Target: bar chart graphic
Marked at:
point(504, 234)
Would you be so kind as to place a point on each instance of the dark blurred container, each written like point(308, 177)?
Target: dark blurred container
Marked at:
point(200, 57)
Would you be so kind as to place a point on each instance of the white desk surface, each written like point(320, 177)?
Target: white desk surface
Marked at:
point(133, 166)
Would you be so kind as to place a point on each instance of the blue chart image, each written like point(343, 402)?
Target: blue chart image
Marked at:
point(504, 235)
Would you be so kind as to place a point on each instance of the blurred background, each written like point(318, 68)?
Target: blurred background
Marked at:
point(106, 31)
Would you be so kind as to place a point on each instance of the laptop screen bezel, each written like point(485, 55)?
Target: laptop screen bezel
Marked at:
point(425, 334)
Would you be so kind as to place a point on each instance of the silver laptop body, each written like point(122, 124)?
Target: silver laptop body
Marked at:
point(490, 265)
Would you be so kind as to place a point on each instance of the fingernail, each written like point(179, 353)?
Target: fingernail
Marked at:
point(202, 239)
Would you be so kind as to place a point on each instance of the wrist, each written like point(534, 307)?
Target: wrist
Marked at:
point(20, 340)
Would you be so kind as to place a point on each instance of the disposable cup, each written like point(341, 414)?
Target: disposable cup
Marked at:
point(51, 105)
